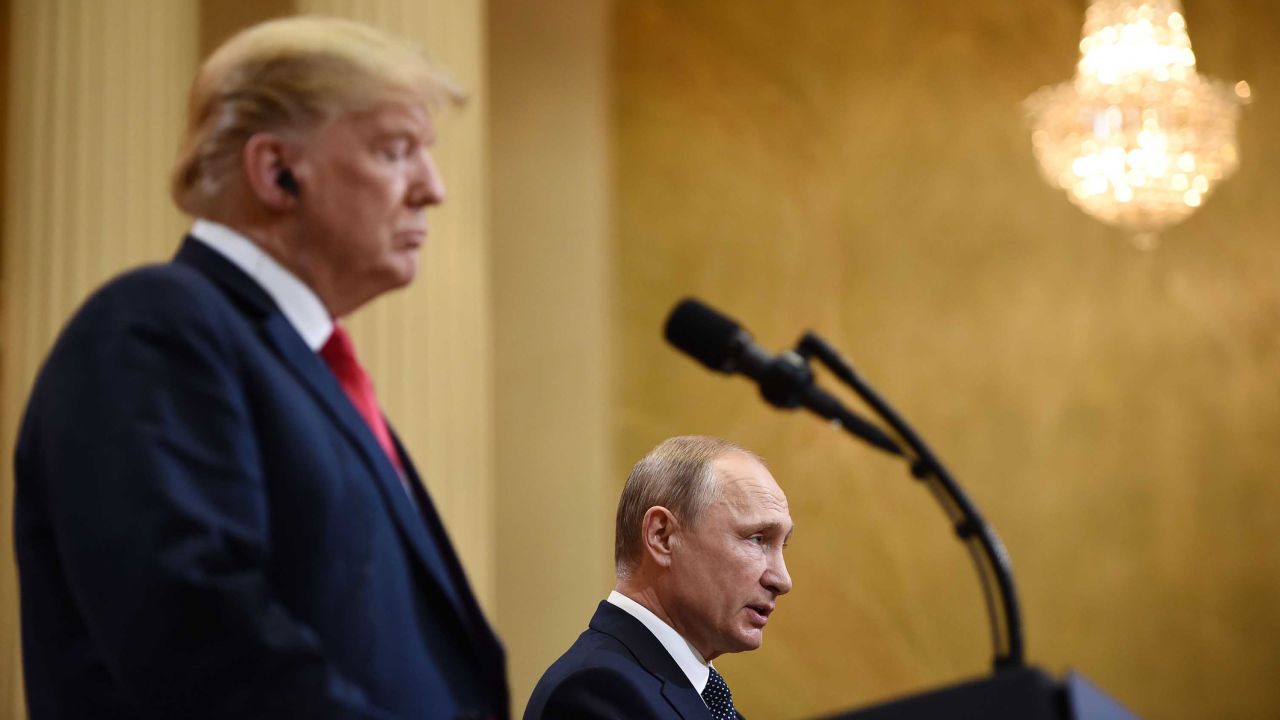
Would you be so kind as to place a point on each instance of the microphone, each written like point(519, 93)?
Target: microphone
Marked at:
point(715, 340)
point(785, 380)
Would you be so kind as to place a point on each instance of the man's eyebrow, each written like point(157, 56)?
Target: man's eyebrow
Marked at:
point(394, 133)
point(773, 527)
point(398, 128)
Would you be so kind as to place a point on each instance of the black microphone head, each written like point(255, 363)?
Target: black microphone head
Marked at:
point(711, 338)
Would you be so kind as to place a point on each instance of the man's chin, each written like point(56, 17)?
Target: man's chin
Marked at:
point(750, 639)
point(406, 270)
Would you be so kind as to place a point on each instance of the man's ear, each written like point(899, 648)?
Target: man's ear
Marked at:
point(658, 531)
point(264, 164)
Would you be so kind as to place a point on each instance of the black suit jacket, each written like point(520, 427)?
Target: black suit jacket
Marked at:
point(616, 669)
point(206, 527)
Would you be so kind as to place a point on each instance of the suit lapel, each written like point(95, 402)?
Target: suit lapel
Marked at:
point(481, 634)
point(313, 373)
point(316, 377)
point(653, 657)
point(686, 701)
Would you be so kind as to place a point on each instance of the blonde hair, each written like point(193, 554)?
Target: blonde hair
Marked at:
point(678, 474)
point(291, 75)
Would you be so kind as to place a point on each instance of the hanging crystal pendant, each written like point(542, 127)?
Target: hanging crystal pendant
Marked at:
point(1138, 138)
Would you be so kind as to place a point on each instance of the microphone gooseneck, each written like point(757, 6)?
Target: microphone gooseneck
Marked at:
point(786, 381)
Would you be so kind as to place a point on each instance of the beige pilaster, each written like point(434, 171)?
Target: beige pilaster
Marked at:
point(550, 177)
point(96, 96)
point(428, 347)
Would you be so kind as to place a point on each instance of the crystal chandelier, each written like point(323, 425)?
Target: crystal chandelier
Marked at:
point(1138, 138)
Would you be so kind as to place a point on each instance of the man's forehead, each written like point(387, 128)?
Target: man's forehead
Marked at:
point(747, 485)
point(392, 117)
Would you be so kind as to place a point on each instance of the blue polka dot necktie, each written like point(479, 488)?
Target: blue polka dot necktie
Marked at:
point(717, 697)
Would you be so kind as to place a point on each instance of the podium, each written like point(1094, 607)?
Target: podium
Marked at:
point(1024, 693)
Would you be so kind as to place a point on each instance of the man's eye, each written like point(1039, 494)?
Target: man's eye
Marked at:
point(395, 151)
point(757, 539)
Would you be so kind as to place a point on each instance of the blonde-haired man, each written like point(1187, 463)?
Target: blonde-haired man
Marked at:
point(213, 519)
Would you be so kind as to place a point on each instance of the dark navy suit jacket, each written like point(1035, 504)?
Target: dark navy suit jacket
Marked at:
point(206, 527)
point(616, 669)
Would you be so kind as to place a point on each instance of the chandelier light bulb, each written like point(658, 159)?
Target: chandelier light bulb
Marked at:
point(1138, 138)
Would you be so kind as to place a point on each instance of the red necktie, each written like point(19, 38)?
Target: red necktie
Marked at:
point(340, 354)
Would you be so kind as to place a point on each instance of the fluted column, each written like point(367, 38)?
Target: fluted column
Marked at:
point(428, 346)
point(96, 97)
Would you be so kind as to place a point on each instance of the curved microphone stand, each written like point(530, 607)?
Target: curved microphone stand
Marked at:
point(984, 545)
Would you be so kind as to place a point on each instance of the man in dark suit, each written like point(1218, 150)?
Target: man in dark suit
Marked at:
point(701, 527)
point(212, 518)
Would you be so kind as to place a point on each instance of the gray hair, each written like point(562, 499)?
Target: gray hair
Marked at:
point(678, 474)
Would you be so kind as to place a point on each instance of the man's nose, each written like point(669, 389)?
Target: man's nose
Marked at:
point(427, 185)
point(776, 577)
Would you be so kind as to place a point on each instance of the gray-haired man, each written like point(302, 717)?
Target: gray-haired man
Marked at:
point(701, 529)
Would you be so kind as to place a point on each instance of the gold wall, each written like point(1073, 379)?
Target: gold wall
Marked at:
point(863, 169)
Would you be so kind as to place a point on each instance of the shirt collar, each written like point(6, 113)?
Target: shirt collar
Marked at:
point(299, 303)
point(689, 660)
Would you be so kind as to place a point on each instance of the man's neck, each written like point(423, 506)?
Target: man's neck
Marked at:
point(274, 238)
point(300, 304)
point(647, 595)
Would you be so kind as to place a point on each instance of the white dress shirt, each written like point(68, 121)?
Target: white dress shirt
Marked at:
point(689, 659)
point(299, 303)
